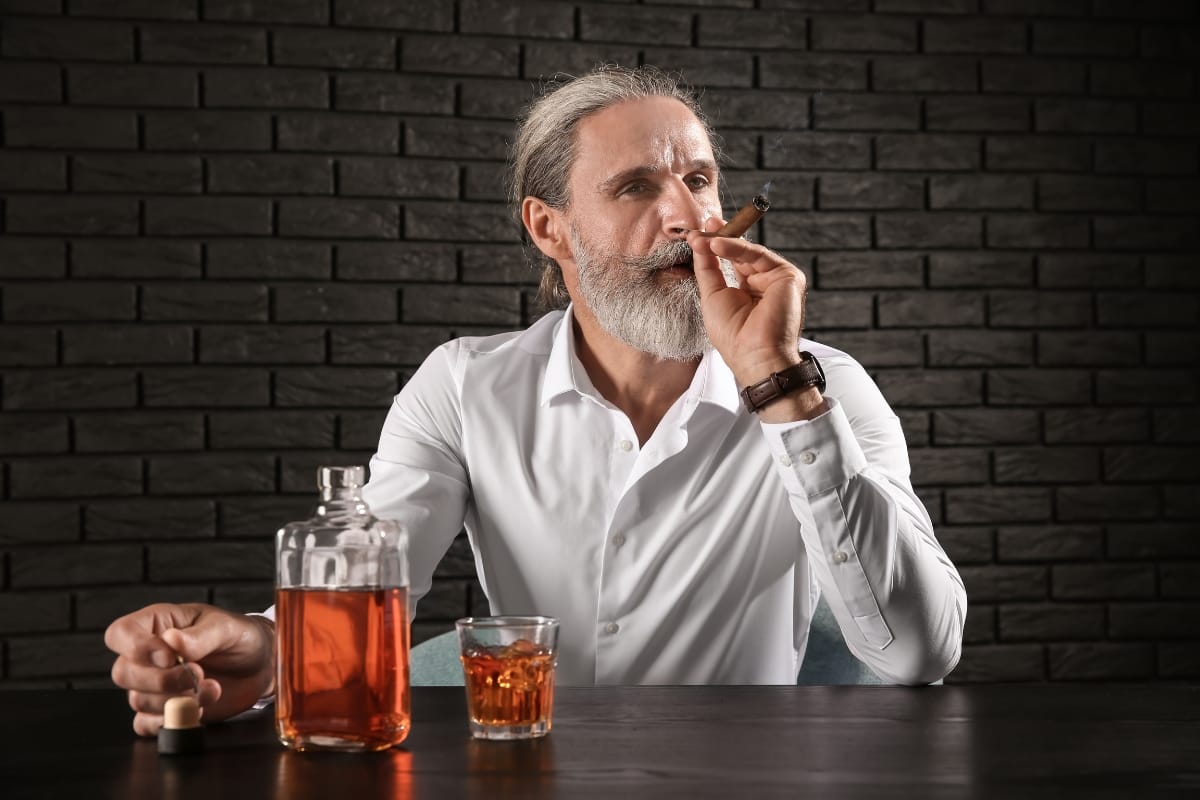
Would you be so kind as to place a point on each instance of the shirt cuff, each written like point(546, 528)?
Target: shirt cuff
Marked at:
point(817, 455)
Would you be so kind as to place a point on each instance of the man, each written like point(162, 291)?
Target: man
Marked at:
point(603, 462)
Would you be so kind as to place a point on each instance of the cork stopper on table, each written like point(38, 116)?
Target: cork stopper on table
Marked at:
point(181, 733)
point(181, 712)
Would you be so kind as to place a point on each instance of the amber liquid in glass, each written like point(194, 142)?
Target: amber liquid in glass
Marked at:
point(510, 686)
point(343, 668)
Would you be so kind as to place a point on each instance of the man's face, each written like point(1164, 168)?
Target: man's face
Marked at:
point(643, 176)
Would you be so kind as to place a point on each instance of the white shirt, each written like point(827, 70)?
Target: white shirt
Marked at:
point(696, 558)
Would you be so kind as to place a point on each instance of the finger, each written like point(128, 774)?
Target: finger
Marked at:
point(147, 724)
point(753, 257)
point(709, 278)
point(128, 674)
point(153, 702)
point(211, 633)
point(136, 635)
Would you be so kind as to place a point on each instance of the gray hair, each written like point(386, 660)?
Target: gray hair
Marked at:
point(541, 159)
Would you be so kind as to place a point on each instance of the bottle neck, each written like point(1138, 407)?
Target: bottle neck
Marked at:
point(341, 502)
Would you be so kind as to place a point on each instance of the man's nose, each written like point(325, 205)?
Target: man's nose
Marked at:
point(682, 210)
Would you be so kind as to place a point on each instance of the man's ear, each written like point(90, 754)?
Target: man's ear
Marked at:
point(547, 227)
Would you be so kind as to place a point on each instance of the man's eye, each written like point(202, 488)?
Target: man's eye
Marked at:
point(634, 188)
point(698, 182)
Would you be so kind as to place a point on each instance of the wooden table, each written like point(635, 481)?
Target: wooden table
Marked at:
point(1092, 741)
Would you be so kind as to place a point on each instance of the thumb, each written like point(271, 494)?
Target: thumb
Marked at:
point(199, 640)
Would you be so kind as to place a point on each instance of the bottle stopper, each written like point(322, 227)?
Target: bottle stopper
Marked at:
point(181, 732)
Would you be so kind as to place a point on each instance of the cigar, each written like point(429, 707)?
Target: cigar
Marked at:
point(746, 216)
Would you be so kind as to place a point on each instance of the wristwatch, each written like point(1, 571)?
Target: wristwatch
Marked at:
point(807, 373)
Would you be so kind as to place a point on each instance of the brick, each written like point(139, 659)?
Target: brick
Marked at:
point(1039, 308)
point(819, 151)
point(449, 138)
point(259, 344)
point(1062, 193)
point(1039, 387)
point(866, 112)
point(1169, 272)
point(384, 345)
point(469, 222)
point(1050, 543)
point(1175, 42)
point(94, 129)
point(926, 152)
point(525, 19)
point(399, 94)
point(338, 218)
point(1169, 387)
point(810, 231)
point(1046, 465)
point(980, 191)
point(930, 387)
point(1173, 196)
point(67, 40)
point(1152, 10)
point(44, 302)
point(208, 216)
point(1146, 464)
point(925, 6)
point(1002, 662)
point(501, 99)
point(1140, 80)
point(1178, 660)
point(127, 344)
point(1047, 622)
point(543, 59)
point(980, 624)
point(139, 432)
point(991, 583)
point(980, 348)
point(764, 28)
point(484, 182)
point(28, 346)
point(976, 113)
point(1037, 231)
point(633, 25)
point(336, 49)
point(1083, 39)
point(976, 35)
point(342, 387)
point(923, 74)
point(304, 12)
point(1087, 270)
point(813, 5)
point(135, 9)
point(1180, 580)
point(705, 67)
point(265, 88)
point(1144, 233)
point(1036, 153)
point(1074, 348)
point(82, 216)
point(203, 44)
point(391, 177)
point(31, 434)
point(983, 269)
point(1153, 620)
point(1171, 349)
point(260, 517)
point(34, 612)
point(1176, 425)
point(1106, 503)
point(812, 71)
point(868, 270)
point(864, 33)
point(32, 172)
point(332, 303)
point(452, 55)
point(944, 467)
point(30, 83)
point(95, 609)
point(211, 473)
point(207, 130)
point(200, 387)
point(1096, 426)
point(469, 304)
point(137, 173)
point(270, 430)
point(58, 654)
point(270, 174)
point(75, 565)
point(297, 468)
point(1153, 540)
point(151, 518)
point(140, 258)
point(395, 261)
point(69, 388)
point(985, 426)
point(101, 85)
point(1026, 75)
point(271, 260)
point(359, 430)
point(39, 523)
point(1146, 309)
point(211, 561)
point(1143, 156)
point(244, 598)
point(760, 109)
point(344, 133)
point(1100, 661)
point(435, 15)
point(209, 303)
point(928, 230)
point(967, 545)
point(1062, 115)
point(882, 348)
point(993, 504)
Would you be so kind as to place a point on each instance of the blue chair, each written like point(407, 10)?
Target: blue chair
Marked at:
point(827, 662)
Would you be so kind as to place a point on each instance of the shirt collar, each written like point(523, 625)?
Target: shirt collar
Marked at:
point(713, 382)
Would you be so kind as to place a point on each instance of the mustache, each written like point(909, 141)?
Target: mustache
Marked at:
point(665, 255)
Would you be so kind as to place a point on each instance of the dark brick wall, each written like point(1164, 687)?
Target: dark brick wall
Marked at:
point(231, 229)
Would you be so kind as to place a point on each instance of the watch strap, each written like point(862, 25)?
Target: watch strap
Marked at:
point(799, 376)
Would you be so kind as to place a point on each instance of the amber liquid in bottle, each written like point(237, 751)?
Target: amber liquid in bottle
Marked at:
point(344, 675)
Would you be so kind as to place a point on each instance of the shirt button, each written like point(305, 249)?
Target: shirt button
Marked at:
point(840, 557)
point(786, 460)
point(808, 456)
point(612, 627)
point(625, 445)
point(618, 540)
